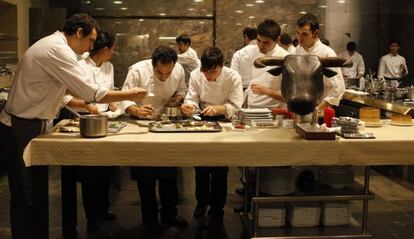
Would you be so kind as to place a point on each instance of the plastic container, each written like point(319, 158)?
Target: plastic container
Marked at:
point(328, 114)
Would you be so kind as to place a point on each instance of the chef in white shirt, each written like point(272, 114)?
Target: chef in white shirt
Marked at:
point(392, 65)
point(358, 67)
point(309, 44)
point(241, 60)
point(187, 56)
point(215, 90)
point(164, 77)
point(286, 43)
point(264, 88)
point(45, 71)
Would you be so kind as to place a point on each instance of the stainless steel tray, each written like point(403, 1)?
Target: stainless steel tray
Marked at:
point(184, 127)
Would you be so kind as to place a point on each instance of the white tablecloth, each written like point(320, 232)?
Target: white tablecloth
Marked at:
point(135, 146)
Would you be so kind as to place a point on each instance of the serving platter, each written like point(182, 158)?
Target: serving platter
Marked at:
point(184, 126)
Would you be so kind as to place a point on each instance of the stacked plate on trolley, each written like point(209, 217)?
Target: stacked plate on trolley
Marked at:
point(336, 213)
point(277, 180)
point(303, 214)
point(272, 216)
point(336, 176)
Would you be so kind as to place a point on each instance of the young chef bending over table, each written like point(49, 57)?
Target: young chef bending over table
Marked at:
point(165, 79)
point(214, 90)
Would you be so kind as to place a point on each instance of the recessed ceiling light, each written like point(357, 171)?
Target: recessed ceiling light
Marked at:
point(201, 22)
point(303, 13)
point(249, 5)
point(209, 15)
point(198, 0)
point(191, 9)
point(341, 1)
point(259, 1)
point(99, 8)
point(141, 19)
point(163, 14)
point(238, 24)
point(123, 8)
point(322, 6)
point(251, 17)
point(88, 2)
point(239, 11)
point(117, 2)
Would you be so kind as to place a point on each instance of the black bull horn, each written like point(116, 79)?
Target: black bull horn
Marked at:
point(325, 61)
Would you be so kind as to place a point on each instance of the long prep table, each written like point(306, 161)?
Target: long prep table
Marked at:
point(135, 146)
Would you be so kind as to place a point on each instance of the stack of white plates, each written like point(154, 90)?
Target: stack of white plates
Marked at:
point(336, 213)
point(277, 180)
point(303, 214)
point(247, 115)
point(337, 176)
point(272, 216)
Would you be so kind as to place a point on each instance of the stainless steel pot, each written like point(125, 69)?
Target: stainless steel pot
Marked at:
point(91, 126)
point(410, 93)
point(173, 111)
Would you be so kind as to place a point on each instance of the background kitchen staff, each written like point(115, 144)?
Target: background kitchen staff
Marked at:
point(187, 56)
point(392, 65)
point(46, 70)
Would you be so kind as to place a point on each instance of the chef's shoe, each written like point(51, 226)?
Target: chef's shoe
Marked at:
point(174, 221)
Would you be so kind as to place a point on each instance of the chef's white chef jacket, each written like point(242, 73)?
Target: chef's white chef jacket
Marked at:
point(291, 49)
point(358, 66)
point(260, 76)
point(101, 76)
point(226, 90)
point(334, 87)
point(189, 61)
point(389, 66)
point(242, 62)
point(44, 73)
point(141, 74)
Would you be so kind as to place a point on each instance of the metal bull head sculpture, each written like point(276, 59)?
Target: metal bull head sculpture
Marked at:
point(302, 78)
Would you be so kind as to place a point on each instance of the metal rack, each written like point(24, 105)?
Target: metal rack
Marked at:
point(250, 221)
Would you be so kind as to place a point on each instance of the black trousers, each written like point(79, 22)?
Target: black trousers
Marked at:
point(26, 215)
point(95, 197)
point(211, 188)
point(147, 178)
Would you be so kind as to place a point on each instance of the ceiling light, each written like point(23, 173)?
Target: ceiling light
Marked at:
point(123, 8)
point(141, 19)
point(322, 6)
point(238, 24)
point(303, 13)
point(201, 22)
point(198, 0)
point(341, 1)
point(249, 5)
point(191, 9)
point(209, 15)
point(239, 11)
point(88, 2)
point(166, 38)
point(99, 8)
point(117, 2)
point(259, 1)
point(163, 14)
point(251, 17)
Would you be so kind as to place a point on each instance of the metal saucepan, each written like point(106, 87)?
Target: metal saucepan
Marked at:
point(410, 93)
point(91, 126)
point(173, 112)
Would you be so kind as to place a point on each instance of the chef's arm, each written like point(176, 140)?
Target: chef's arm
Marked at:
point(136, 94)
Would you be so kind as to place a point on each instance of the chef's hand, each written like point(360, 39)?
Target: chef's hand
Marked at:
point(259, 89)
point(403, 68)
point(187, 109)
point(321, 107)
point(142, 111)
point(137, 94)
point(113, 106)
point(209, 111)
point(92, 108)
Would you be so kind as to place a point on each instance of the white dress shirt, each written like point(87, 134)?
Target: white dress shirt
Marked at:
point(101, 76)
point(189, 61)
point(44, 73)
point(390, 66)
point(141, 74)
point(242, 62)
point(226, 90)
point(334, 86)
point(260, 76)
point(358, 66)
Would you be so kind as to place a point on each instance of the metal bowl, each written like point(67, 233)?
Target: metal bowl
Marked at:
point(93, 126)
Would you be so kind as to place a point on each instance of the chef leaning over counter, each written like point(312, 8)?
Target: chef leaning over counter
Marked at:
point(45, 72)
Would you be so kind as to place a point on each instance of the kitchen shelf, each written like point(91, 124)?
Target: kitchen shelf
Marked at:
point(8, 37)
point(319, 193)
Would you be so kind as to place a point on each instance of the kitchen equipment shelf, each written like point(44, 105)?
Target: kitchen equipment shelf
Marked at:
point(321, 193)
point(8, 37)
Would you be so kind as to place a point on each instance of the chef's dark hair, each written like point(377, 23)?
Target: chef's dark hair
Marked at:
point(104, 39)
point(163, 55)
point(309, 19)
point(285, 39)
point(250, 32)
point(211, 58)
point(269, 28)
point(80, 20)
point(186, 39)
point(392, 41)
point(351, 46)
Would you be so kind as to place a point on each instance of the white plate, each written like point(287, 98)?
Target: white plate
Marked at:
point(397, 124)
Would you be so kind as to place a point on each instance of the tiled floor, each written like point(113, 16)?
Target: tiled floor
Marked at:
point(391, 213)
